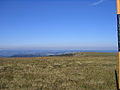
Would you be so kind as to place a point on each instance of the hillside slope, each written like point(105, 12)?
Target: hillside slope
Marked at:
point(78, 71)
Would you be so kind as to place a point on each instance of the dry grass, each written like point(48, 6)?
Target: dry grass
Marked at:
point(82, 71)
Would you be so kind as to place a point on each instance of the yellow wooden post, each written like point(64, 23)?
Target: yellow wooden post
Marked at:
point(118, 6)
point(118, 27)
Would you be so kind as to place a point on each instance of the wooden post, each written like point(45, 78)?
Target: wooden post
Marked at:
point(118, 28)
point(118, 6)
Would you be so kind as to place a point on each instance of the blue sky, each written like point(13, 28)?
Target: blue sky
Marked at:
point(58, 24)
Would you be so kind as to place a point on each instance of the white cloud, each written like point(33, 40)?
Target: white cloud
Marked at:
point(98, 2)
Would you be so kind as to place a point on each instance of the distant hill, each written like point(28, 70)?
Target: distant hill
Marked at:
point(28, 55)
point(88, 54)
point(41, 53)
point(80, 54)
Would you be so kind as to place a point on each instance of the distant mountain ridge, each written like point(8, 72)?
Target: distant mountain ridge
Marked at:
point(28, 55)
point(41, 53)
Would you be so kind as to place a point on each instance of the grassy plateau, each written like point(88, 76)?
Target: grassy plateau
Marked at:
point(78, 71)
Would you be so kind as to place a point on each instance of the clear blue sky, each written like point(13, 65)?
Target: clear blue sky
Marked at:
point(58, 24)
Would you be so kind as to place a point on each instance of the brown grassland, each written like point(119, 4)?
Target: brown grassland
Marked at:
point(79, 71)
